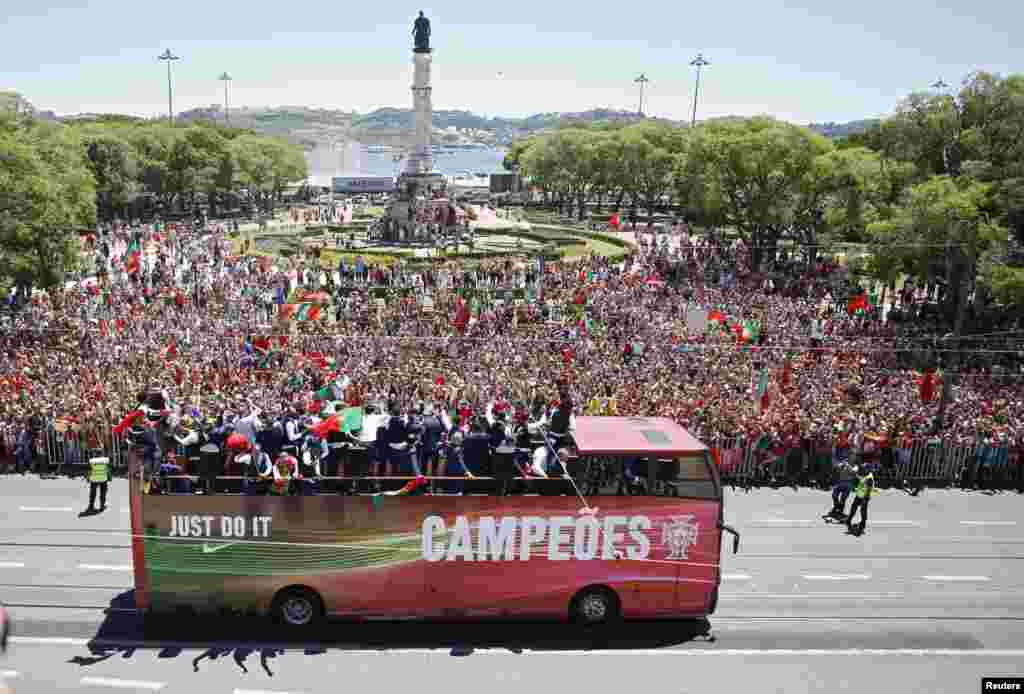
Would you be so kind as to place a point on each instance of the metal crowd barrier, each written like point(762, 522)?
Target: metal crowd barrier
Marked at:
point(927, 462)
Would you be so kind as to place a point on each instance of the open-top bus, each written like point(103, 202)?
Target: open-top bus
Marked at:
point(637, 534)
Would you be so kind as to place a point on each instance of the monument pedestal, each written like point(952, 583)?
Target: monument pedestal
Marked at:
point(418, 179)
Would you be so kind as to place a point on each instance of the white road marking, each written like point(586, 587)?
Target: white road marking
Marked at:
point(977, 522)
point(49, 640)
point(735, 577)
point(122, 684)
point(8, 674)
point(980, 653)
point(104, 567)
point(842, 577)
point(956, 578)
point(43, 509)
point(12, 565)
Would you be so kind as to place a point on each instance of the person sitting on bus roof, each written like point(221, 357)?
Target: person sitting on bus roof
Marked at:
point(285, 471)
point(261, 474)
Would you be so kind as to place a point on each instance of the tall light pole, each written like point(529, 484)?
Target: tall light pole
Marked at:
point(698, 63)
point(169, 57)
point(225, 78)
point(641, 80)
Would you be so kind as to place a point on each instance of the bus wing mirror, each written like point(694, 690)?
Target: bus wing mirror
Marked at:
point(735, 536)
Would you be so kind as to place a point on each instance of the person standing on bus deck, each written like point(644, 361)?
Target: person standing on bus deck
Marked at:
point(864, 490)
point(99, 479)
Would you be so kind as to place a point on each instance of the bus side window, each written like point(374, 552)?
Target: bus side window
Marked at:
point(686, 476)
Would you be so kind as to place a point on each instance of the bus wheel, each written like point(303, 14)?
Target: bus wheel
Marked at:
point(297, 607)
point(594, 606)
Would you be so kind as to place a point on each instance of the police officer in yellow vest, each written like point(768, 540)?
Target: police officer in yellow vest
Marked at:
point(99, 478)
point(862, 492)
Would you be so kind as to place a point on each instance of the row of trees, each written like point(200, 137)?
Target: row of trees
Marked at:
point(57, 179)
point(176, 163)
point(936, 190)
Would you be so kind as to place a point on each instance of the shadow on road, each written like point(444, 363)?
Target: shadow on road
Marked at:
point(125, 632)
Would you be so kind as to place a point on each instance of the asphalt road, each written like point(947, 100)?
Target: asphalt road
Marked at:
point(930, 599)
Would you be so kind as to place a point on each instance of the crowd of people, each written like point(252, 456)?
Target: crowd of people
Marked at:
point(681, 328)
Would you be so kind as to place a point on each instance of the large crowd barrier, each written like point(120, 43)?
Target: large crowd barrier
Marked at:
point(744, 461)
point(747, 461)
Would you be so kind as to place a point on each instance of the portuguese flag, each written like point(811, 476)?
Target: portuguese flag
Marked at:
point(300, 312)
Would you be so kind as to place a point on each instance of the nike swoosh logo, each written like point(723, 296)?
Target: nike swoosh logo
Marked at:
point(208, 549)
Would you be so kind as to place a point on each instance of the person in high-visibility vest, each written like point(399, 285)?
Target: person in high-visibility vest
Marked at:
point(863, 491)
point(99, 479)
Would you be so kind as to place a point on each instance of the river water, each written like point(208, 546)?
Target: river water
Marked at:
point(352, 159)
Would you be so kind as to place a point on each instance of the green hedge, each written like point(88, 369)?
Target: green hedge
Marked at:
point(594, 235)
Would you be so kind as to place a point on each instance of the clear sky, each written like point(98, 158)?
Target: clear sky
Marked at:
point(799, 60)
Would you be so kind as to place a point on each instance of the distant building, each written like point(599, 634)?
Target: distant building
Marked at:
point(363, 184)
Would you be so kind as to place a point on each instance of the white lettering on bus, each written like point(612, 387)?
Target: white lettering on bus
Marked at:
point(641, 546)
point(584, 542)
point(229, 526)
point(612, 537)
point(495, 538)
point(497, 542)
point(431, 526)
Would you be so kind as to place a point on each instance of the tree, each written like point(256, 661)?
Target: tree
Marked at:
point(752, 173)
point(48, 195)
point(114, 166)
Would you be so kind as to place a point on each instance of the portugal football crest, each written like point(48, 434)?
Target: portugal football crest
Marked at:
point(679, 534)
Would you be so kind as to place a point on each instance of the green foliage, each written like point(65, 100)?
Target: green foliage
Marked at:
point(47, 193)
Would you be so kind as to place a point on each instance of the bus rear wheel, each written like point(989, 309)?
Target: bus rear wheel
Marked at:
point(595, 607)
point(297, 608)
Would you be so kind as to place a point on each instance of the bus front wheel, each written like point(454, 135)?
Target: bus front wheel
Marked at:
point(297, 607)
point(595, 606)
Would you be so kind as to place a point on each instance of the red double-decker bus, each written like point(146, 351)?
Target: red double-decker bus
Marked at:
point(635, 533)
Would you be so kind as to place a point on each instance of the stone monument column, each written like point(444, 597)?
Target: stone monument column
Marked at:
point(421, 160)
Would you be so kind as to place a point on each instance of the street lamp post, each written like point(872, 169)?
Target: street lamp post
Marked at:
point(168, 57)
point(641, 80)
point(698, 63)
point(225, 78)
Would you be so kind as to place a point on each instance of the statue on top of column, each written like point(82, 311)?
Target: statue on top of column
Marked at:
point(421, 33)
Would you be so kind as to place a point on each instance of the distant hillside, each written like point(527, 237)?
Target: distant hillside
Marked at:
point(313, 127)
point(838, 131)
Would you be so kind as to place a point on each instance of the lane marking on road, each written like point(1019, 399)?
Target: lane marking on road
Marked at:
point(8, 674)
point(122, 684)
point(956, 578)
point(44, 509)
point(987, 522)
point(12, 565)
point(780, 521)
point(49, 640)
point(736, 577)
point(104, 567)
point(834, 577)
point(899, 652)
